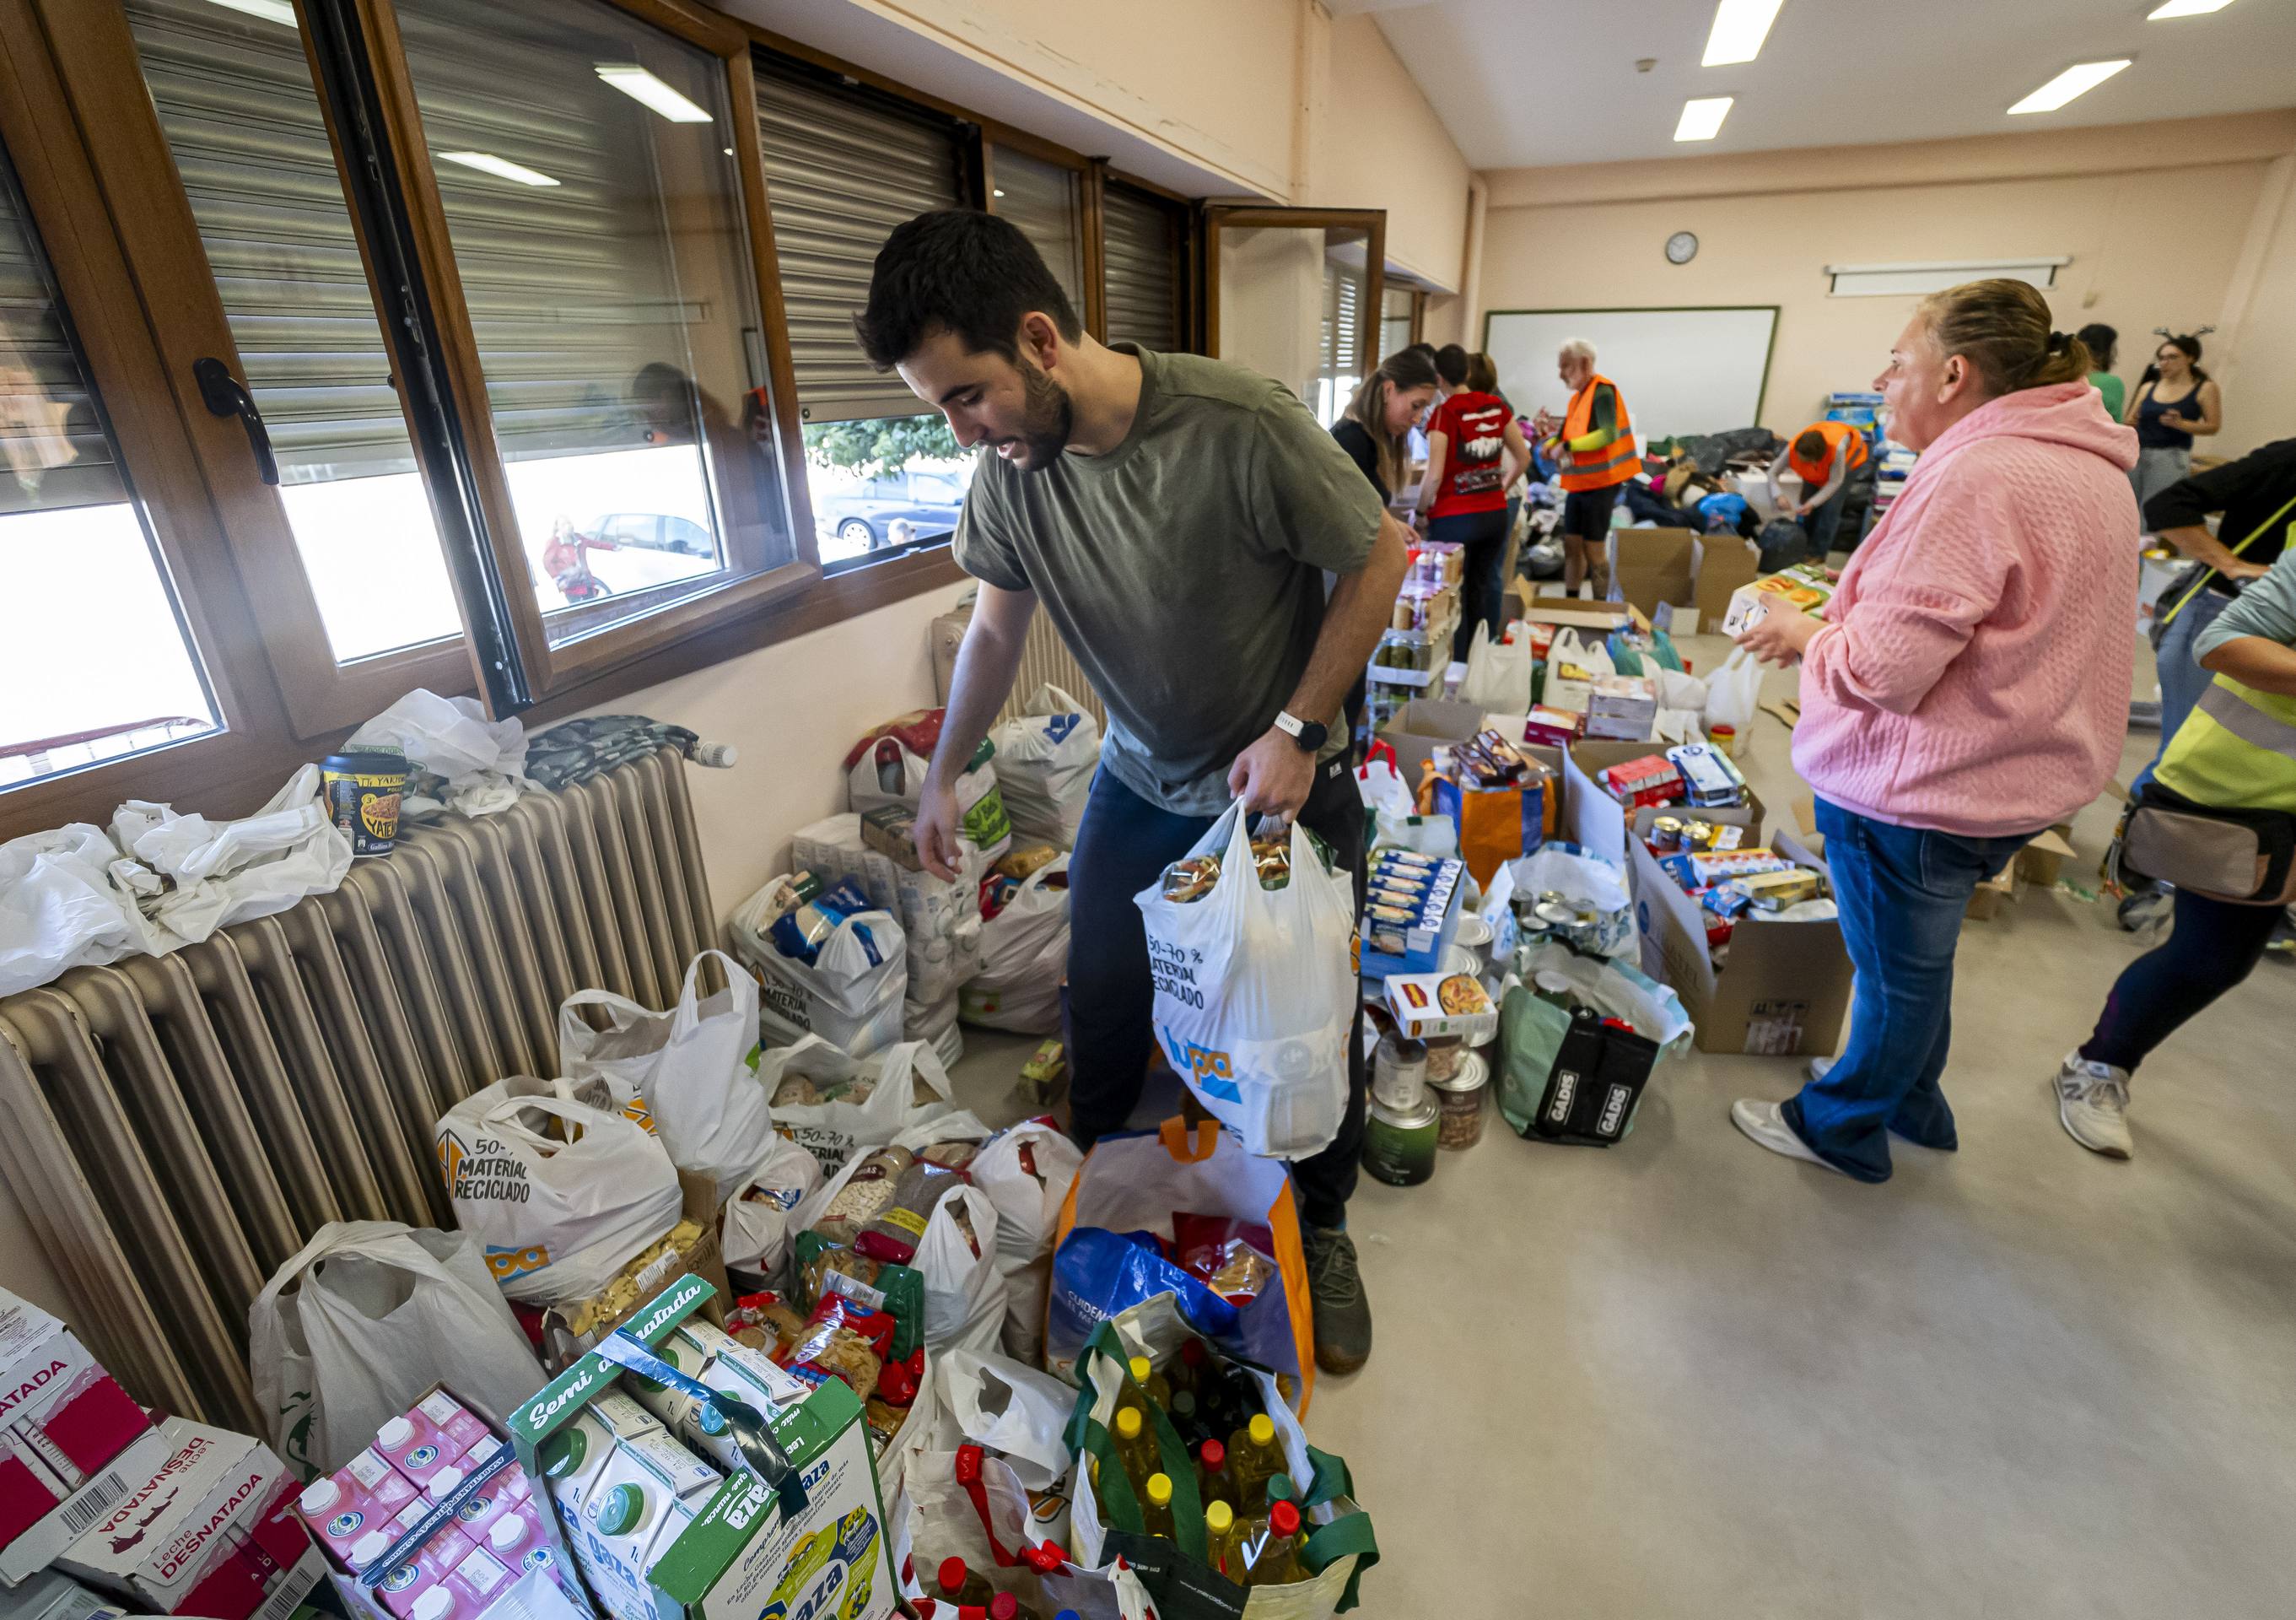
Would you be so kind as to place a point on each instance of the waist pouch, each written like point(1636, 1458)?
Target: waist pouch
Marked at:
point(2244, 857)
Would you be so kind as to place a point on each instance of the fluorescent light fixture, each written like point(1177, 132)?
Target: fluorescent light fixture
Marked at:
point(1740, 26)
point(1701, 117)
point(486, 162)
point(640, 85)
point(2183, 8)
point(998, 192)
point(2079, 79)
point(270, 10)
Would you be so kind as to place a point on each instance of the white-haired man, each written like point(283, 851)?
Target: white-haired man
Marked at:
point(1595, 443)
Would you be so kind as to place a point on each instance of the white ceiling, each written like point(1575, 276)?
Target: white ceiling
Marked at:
point(1529, 82)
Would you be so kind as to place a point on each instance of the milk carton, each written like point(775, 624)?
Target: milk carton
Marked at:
point(468, 1591)
point(213, 1532)
point(402, 1587)
point(71, 1442)
point(343, 1508)
point(632, 1508)
point(460, 1431)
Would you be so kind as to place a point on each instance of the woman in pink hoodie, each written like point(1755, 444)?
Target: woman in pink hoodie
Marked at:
point(1968, 686)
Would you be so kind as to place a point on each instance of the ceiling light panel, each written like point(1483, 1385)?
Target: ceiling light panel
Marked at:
point(1701, 117)
point(2076, 81)
point(1740, 26)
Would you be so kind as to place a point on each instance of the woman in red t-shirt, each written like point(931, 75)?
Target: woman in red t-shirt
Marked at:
point(1475, 451)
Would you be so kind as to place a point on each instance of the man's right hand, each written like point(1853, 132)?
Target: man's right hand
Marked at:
point(2240, 568)
point(935, 830)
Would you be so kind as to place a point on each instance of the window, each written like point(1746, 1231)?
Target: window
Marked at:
point(1046, 201)
point(586, 171)
point(1294, 293)
point(1341, 363)
point(1142, 266)
point(81, 565)
point(1399, 317)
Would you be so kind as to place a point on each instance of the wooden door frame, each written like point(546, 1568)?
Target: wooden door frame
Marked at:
point(1218, 216)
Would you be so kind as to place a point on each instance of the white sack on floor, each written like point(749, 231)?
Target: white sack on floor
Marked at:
point(834, 1105)
point(1044, 758)
point(940, 919)
point(1024, 955)
point(850, 994)
point(482, 763)
point(1027, 1172)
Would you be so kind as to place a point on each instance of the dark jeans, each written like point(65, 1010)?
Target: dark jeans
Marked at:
point(1823, 524)
point(1482, 595)
point(2213, 946)
point(1901, 890)
point(1123, 845)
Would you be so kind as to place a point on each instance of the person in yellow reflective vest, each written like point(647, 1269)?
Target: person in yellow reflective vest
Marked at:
point(1823, 455)
point(1594, 444)
point(2237, 750)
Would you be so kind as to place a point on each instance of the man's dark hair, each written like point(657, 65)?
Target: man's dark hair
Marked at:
point(1451, 366)
point(1811, 445)
point(971, 272)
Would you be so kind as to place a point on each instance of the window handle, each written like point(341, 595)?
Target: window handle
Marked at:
point(226, 396)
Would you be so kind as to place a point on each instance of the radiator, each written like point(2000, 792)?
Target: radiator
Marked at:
point(1045, 658)
point(179, 1126)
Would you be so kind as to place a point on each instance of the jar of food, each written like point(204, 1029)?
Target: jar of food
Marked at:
point(1398, 1074)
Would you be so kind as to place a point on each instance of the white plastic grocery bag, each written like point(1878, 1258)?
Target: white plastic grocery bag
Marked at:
point(889, 768)
point(1255, 990)
point(1024, 954)
point(1026, 1171)
point(557, 1218)
point(756, 1228)
point(695, 1066)
point(833, 1105)
point(940, 919)
point(1386, 796)
point(1046, 756)
point(1733, 692)
point(850, 994)
point(1572, 662)
point(1014, 1410)
point(352, 1330)
point(1499, 672)
point(965, 1290)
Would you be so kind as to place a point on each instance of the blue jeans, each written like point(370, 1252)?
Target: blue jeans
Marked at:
point(2182, 678)
point(1823, 524)
point(1901, 890)
point(1482, 593)
point(1123, 844)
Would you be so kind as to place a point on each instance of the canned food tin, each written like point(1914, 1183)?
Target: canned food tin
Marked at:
point(1474, 933)
point(1443, 1055)
point(1399, 1147)
point(1552, 987)
point(1557, 913)
point(1698, 835)
point(361, 790)
point(1398, 1075)
point(1459, 1104)
point(1666, 833)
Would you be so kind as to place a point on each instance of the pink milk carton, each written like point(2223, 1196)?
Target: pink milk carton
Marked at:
point(402, 1587)
point(495, 1499)
point(460, 1431)
point(364, 1494)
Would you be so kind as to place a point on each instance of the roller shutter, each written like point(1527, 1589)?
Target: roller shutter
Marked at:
point(1142, 290)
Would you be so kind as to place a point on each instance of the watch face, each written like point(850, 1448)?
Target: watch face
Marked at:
point(1313, 737)
point(1681, 247)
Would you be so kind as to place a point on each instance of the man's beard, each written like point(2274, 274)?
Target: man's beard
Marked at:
point(1048, 417)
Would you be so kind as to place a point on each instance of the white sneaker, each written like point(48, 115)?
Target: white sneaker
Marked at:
point(2093, 1102)
point(1762, 1123)
point(1814, 1070)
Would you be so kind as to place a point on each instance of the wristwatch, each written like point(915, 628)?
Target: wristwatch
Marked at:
point(1311, 735)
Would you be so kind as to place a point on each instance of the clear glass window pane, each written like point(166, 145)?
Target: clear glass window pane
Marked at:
point(1292, 308)
point(880, 485)
point(81, 568)
point(234, 98)
point(1394, 320)
point(1043, 199)
point(586, 165)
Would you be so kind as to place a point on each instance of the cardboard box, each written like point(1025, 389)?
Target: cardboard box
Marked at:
point(212, 1531)
point(1597, 821)
point(75, 1444)
point(1554, 606)
point(745, 1554)
point(1416, 1001)
point(1436, 887)
point(1724, 563)
point(569, 1330)
point(50, 1596)
point(1784, 988)
point(1424, 724)
point(1652, 566)
point(2042, 861)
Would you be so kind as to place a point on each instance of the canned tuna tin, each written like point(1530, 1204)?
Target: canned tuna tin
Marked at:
point(1398, 1078)
point(1400, 1147)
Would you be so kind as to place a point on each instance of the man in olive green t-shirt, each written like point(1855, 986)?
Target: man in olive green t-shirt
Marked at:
point(1177, 517)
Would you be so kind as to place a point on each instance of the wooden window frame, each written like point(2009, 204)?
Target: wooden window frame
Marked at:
point(693, 607)
point(1087, 172)
point(1183, 212)
point(1219, 216)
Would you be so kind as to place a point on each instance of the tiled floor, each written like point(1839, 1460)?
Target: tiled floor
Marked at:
point(1686, 1377)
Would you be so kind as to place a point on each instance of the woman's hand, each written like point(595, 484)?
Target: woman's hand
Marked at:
point(2174, 420)
point(1780, 638)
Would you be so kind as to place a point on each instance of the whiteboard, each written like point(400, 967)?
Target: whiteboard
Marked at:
point(1682, 371)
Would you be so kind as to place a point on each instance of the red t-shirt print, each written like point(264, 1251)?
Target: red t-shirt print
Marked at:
point(1474, 425)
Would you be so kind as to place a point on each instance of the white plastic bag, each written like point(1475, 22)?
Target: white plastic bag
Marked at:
point(965, 1290)
point(556, 1218)
point(1254, 991)
point(756, 1228)
point(694, 1066)
point(867, 1101)
point(1386, 795)
point(59, 907)
point(1572, 662)
point(1046, 756)
point(850, 995)
point(940, 919)
point(1499, 672)
point(1027, 1172)
point(348, 1333)
point(220, 873)
point(1733, 692)
point(1677, 689)
point(889, 768)
point(483, 761)
point(1024, 953)
point(1013, 1410)
point(1573, 873)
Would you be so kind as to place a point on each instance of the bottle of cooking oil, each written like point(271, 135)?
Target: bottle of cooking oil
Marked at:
point(1136, 1447)
point(1254, 1457)
point(1223, 1548)
point(1276, 1543)
point(1211, 1474)
point(1152, 1383)
point(1156, 1511)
